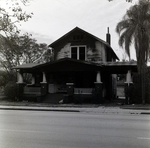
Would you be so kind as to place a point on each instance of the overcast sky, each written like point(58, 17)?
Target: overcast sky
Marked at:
point(54, 18)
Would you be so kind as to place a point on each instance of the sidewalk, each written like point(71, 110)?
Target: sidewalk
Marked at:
point(85, 108)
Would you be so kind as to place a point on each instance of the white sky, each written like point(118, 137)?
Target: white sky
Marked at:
point(54, 18)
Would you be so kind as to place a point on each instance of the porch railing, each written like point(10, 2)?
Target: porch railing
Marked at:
point(32, 90)
point(83, 90)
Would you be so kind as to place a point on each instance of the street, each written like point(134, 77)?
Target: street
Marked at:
point(47, 129)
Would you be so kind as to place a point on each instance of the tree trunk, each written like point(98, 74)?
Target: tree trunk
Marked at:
point(143, 83)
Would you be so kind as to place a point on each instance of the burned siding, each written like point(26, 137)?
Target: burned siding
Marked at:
point(64, 52)
point(94, 52)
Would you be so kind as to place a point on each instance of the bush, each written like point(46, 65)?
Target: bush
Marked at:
point(10, 90)
point(3, 78)
point(137, 88)
point(136, 95)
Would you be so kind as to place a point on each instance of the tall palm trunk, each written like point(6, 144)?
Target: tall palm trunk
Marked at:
point(143, 83)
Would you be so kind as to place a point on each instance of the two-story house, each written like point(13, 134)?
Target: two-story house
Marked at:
point(83, 69)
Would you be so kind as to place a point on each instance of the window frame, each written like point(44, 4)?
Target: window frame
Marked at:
point(78, 46)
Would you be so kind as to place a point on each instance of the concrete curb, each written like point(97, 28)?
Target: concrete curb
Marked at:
point(37, 109)
point(96, 109)
point(145, 113)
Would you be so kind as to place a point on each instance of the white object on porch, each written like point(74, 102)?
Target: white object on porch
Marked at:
point(83, 90)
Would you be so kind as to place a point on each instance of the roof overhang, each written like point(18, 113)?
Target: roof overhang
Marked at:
point(120, 67)
point(72, 65)
point(62, 65)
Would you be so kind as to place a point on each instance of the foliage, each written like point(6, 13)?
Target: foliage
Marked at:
point(135, 28)
point(136, 95)
point(27, 50)
point(10, 90)
point(126, 0)
point(16, 50)
point(11, 15)
point(3, 78)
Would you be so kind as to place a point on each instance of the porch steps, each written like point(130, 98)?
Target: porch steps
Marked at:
point(53, 98)
point(119, 101)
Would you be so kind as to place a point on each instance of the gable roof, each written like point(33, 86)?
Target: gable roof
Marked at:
point(89, 34)
point(79, 29)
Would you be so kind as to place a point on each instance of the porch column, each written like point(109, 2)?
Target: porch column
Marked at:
point(98, 89)
point(128, 87)
point(98, 77)
point(33, 79)
point(128, 77)
point(20, 86)
point(44, 88)
point(44, 78)
point(70, 92)
point(19, 77)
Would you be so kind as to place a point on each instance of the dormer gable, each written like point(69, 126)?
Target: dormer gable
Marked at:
point(81, 45)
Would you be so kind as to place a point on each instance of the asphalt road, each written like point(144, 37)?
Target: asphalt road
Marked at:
point(40, 129)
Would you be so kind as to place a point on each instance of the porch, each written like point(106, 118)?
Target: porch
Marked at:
point(74, 79)
point(80, 95)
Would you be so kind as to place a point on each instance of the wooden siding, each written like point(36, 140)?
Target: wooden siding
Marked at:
point(64, 52)
point(96, 53)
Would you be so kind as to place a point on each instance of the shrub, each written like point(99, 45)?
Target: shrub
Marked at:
point(10, 90)
point(137, 88)
point(136, 95)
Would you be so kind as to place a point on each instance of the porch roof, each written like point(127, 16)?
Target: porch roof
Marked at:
point(68, 64)
point(26, 66)
point(65, 64)
point(120, 67)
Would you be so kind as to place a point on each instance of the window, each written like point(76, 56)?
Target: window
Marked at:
point(82, 53)
point(74, 52)
point(78, 52)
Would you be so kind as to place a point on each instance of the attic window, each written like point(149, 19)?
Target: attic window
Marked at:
point(78, 37)
point(78, 52)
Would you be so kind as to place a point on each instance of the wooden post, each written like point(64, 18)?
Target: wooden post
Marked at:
point(33, 79)
point(98, 89)
point(20, 86)
point(44, 78)
point(70, 92)
point(128, 87)
point(44, 88)
point(19, 77)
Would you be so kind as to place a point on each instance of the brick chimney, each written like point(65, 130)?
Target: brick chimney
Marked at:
point(108, 37)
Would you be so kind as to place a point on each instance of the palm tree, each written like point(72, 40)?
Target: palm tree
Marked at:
point(135, 28)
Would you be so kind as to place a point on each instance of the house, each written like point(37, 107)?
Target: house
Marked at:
point(83, 69)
